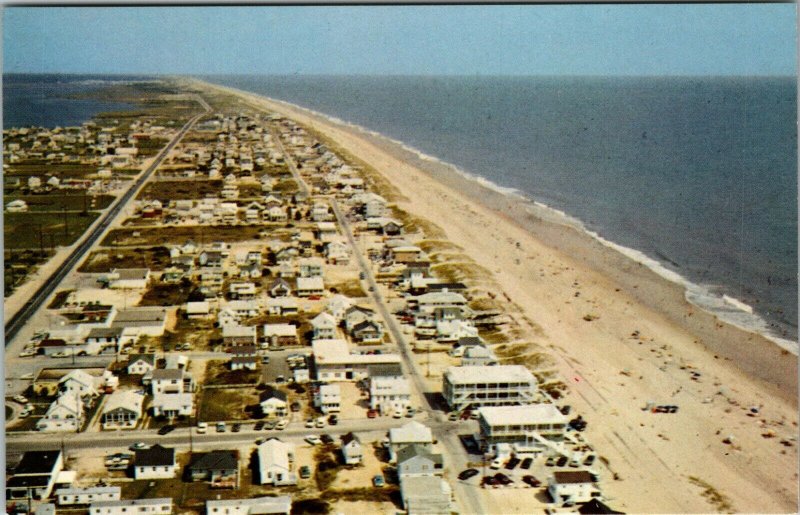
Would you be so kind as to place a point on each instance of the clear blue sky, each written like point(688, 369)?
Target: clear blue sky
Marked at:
point(742, 39)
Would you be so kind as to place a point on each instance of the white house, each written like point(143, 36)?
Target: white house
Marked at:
point(155, 506)
point(351, 449)
point(275, 459)
point(279, 335)
point(87, 495)
point(78, 382)
point(171, 380)
point(329, 398)
point(156, 462)
point(338, 306)
point(324, 326)
point(273, 402)
point(413, 433)
point(426, 494)
point(308, 286)
point(416, 460)
point(198, 309)
point(532, 425)
point(311, 267)
point(334, 361)
point(128, 278)
point(576, 486)
point(64, 414)
point(122, 410)
point(171, 405)
point(389, 394)
point(259, 505)
point(475, 386)
point(282, 306)
point(140, 364)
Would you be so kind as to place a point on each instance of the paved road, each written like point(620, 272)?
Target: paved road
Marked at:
point(289, 161)
point(29, 308)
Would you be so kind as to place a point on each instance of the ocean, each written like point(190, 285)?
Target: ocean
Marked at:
point(43, 100)
point(696, 176)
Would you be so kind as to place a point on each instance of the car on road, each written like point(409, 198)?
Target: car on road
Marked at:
point(138, 446)
point(236, 428)
point(20, 399)
point(468, 473)
point(221, 427)
point(310, 423)
point(526, 463)
point(281, 425)
point(202, 427)
point(265, 360)
point(372, 289)
point(362, 275)
point(512, 463)
point(333, 420)
point(259, 426)
point(372, 413)
point(305, 472)
point(166, 429)
point(378, 481)
point(532, 481)
point(313, 439)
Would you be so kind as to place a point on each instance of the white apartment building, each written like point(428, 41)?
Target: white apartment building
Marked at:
point(500, 385)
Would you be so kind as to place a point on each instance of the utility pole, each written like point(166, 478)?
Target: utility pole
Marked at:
point(41, 241)
point(66, 226)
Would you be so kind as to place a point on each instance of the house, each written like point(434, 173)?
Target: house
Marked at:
point(198, 310)
point(155, 506)
point(155, 462)
point(338, 306)
point(78, 382)
point(211, 259)
point(326, 231)
point(87, 495)
point(417, 460)
point(470, 387)
point(273, 402)
point(280, 335)
point(279, 288)
point(351, 449)
point(256, 506)
point(250, 271)
point(275, 459)
point(334, 362)
point(242, 291)
point(220, 468)
point(17, 206)
point(286, 270)
point(233, 335)
point(406, 253)
point(142, 321)
point(244, 308)
point(244, 363)
point(575, 486)
point(277, 214)
point(320, 213)
point(426, 494)
point(329, 398)
point(140, 364)
point(354, 315)
point(311, 267)
point(64, 414)
point(286, 254)
point(35, 475)
point(533, 425)
point(368, 331)
point(103, 338)
point(122, 410)
point(172, 405)
point(324, 326)
point(282, 306)
point(308, 286)
point(478, 356)
point(337, 252)
point(389, 394)
point(412, 433)
point(171, 380)
point(128, 278)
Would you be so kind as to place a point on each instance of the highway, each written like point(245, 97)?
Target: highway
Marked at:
point(290, 162)
point(19, 320)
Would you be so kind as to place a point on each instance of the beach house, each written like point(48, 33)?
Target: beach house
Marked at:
point(470, 387)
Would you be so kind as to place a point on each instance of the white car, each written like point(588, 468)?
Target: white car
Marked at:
point(27, 353)
point(310, 423)
point(313, 439)
point(202, 427)
point(320, 422)
point(20, 399)
point(24, 413)
point(281, 425)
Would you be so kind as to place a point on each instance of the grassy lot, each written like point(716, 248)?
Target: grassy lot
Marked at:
point(161, 294)
point(180, 235)
point(350, 288)
point(21, 230)
point(438, 246)
point(199, 333)
point(150, 147)
point(218, 372)
point(57, 201)
point(59, 299)
point(415, 224)
point(19, 265)
point(180, 190)
point(286, 186)
point(220, 404)
point(41, 168)
point(154, 258)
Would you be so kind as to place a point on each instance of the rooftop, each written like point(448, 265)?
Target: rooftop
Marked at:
point(522, 415)
point(494, 374)
point(37, 462)
point(572, 476)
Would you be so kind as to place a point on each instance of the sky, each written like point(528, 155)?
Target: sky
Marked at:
point(721, 39)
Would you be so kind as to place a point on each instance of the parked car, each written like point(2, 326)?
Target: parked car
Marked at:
point(310, 423)
point(551, 461)
point(138, 446)
point(496, 464)
point(27, 353)
point(489, 481)
point(320, 422)
point(221, 427)
point(372, 413)
point(574, 463)
point(313, 439)
point(236, 428)
point(512, 463)
point(295, 406)
point(410, 412)
point(20, 399)
point(25, 413)
point(333, 420)
point(326, 438)
point(526, 463)
point(378, 481)
point(468, 473)
point(561, 461)
point(589, 460)
point(503, 479)
point(265, 360)
point(532, 481)
point(466, 414)
point(166, 429)
point(270, 425)
point(259, 426)
point(565, 409)
point(202, 427)
point(305, 472)
point(397, 414)
point(452, 417)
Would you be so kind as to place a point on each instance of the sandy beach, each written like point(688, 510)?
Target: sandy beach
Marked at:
point(620, 336)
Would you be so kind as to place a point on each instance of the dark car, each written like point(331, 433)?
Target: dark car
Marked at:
point(489, 481)
point(561, 461)
point(295, 406)
point(333, 420)
point(532, 481)
point(305, 472)
point(166, 429)
point(551, 461)
point(259, 426)
point(589, 460)
point(468, 473)
point(236, 428)
point(512, 463)
point(503, 479)
point(526, 463)
point(326, 438)
point(565, 409)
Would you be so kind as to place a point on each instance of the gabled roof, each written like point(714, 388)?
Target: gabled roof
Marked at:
point(215, 460)
point(358, 309)
point(413, 432)
point(147, 358)
point(272, 393)
point(365, 325)
point(596, 507)
point(413, 451)
point(155, 456)
point(350, 437)
point(323, 320)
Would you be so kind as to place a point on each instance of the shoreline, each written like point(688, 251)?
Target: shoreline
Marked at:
point(616, 260)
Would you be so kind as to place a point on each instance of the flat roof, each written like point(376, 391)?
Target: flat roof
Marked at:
point(490, 374)
point(572, 476)
point(337, 352)
point(37, 462)
point(522, 415)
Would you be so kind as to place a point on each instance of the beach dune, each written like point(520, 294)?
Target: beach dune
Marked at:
point(619, 336)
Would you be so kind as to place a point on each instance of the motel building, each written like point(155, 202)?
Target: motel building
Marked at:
point(472, 387)
point(529, 428)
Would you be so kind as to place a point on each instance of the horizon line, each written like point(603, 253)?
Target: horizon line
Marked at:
point(471, 75)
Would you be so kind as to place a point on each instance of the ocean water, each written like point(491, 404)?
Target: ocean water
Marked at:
point(696, 175)
point(43, 100)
